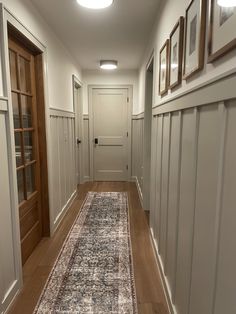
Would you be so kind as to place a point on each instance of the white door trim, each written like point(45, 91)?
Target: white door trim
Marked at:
point(78, 109)
point(90, 105)
point(7, 17)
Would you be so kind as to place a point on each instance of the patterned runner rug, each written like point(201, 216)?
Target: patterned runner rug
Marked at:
point(94, 270)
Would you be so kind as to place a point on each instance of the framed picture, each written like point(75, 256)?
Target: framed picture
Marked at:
point(222, 35)
point(195, 26)
point(176, 54)
point(163, 68)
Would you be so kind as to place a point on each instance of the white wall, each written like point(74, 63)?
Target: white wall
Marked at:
point(61, 65)
point(110, 78)
point(168, 15)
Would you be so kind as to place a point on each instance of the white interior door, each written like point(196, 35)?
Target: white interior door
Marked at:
point(110, 126)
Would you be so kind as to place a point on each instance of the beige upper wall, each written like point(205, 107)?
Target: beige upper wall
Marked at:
point(169, 13)
point(61, 65)
point(100, 77)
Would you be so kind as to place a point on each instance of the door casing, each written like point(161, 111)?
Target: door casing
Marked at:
point(91, 131)
point(78, 109)
point(149, 97)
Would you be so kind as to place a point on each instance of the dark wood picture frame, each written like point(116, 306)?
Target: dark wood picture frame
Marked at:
point(165, 90)
point(226, 48)
point(180, 25)
point(202, 37)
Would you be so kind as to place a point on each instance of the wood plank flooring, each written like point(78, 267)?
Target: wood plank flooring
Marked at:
point(150, 296)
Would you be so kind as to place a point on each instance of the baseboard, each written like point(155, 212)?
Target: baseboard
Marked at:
point(140, 194)
point(11, 296)
point(63, 212)
point(86, 179)
point(165, 284)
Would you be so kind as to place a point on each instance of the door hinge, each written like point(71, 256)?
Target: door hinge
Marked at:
point(127, 99)
point(127, 134)
point(127, 167)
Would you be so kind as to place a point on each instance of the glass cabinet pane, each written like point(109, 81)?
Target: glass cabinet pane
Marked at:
point(28, 146)
point(16, 111)
point(20, 185)
point(18, 149)
point(13, 69)
point(26, 110)
point(25, 84)
point(30, 179)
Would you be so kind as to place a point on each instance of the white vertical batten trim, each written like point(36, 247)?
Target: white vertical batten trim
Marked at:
point(160, 180)
point(168, 187)
point(178, 202)
point(153, 170)
point(223, 112)
point(197, 120)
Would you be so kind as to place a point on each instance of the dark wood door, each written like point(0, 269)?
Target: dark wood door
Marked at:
point(24, 102)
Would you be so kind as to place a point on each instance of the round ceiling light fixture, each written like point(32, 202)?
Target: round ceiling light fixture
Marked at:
point(108, 64)
point(95, 4)
point(227, 3)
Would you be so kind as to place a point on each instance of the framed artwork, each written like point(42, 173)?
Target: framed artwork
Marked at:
point(222, 35)
point(176, 54)
point(195, 32)
point(163, 68)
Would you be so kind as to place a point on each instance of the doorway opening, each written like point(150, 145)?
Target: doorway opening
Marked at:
point(147, 134)
point(28, 104)
point(78, 109)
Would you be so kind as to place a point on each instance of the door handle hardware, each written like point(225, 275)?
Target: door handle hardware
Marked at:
point(78, 141)
point(96, 141)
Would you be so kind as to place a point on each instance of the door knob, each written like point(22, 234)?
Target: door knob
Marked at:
point(79, 141)
point(96, 141)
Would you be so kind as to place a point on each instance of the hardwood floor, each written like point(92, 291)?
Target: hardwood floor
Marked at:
point(150, 296)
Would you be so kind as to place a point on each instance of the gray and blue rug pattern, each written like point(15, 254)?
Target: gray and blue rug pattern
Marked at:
point(94, 271)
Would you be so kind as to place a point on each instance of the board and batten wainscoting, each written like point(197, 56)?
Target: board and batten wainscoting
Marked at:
point(63, 164)
point(10, 276)
point(193, 213)
point(86, 148)
point(137, 151)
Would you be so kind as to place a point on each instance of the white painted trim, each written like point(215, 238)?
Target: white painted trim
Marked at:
point(79, 130)
point(130, 104)
point(164, 282)
point(217, 91)
point(64, 211)
point(223, 113)
point(3, 105)
point(135, 179)
point(61, 113)
point(11, 162)
point(197, 87)
point(13, 19)
point(87, 179)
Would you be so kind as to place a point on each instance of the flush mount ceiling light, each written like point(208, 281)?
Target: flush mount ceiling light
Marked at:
point(95, 4)
point(108, 64)
point(227, 3)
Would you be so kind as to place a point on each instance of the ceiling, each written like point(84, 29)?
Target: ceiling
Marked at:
point(119, 32)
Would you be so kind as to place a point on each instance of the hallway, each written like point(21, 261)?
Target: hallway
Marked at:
point(150, 295)
point(118, 95)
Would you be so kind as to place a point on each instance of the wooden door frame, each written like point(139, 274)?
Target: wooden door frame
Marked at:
point(90, 107)
point(77, 85)
point(9, 21)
